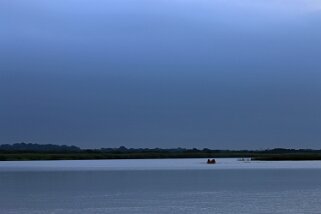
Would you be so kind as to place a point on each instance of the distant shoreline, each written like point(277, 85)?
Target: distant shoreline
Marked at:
point(34, 156)
point(98, 155)
point(27, 152)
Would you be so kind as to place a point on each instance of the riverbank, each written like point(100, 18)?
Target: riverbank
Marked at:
point(99, 155)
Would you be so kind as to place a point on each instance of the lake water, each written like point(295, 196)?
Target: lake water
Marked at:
point(159, 186)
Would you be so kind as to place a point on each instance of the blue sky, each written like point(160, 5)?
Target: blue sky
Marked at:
point(218, 74)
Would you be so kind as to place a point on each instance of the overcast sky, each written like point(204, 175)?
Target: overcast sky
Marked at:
point(222, 74)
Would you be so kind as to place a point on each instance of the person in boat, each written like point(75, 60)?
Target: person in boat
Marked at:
point(211, 161)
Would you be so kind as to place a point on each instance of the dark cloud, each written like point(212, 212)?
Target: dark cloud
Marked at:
point(161, 74)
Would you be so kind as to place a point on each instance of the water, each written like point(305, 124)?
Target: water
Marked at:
point(159, 186)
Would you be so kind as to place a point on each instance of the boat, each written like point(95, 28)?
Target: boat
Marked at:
point(211, 161)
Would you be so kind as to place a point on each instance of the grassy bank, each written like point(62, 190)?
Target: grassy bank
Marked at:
point(105, 155)
point(97, 155)
point(28, 151)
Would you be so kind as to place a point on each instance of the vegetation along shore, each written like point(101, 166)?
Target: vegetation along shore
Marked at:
point(28, 151)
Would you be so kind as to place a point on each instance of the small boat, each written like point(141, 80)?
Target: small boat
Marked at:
point(211, 161)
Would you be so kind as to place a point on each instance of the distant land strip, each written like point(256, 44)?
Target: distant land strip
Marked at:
point(31, 151)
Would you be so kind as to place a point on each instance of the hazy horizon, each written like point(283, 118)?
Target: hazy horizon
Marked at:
point(195, 73)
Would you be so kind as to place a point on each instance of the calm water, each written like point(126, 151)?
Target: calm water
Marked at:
point(160, 186)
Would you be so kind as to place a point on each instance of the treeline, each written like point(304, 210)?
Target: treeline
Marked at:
point(34, 147)
point(37, 147)
point(29, 151)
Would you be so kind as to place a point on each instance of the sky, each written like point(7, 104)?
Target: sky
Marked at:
point(220, 74)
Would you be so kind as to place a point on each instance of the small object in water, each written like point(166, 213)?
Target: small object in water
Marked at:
point(245, 159)
point(211, 161)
